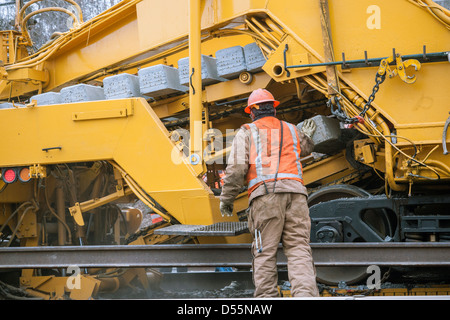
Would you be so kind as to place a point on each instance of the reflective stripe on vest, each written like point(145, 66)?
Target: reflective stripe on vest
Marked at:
point(264, 160)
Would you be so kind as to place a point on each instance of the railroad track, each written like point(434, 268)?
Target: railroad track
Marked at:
point(192, 284)
point(436, 254)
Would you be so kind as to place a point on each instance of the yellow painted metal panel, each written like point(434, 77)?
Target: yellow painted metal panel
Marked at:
point(98, 51)
point(402, 26)
point(152, 32)
point(139, 143)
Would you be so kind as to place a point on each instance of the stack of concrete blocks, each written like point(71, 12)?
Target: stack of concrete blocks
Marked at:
point(160, 80)
point(327, 136)
point(254, 57)
point(47, 98)
point(230, 62)
point(209, 71)
point(10, 105)
point(81, 93)
point(6, 105)
point(121, 86)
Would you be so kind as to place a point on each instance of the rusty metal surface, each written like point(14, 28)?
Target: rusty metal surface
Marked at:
point(236, 255)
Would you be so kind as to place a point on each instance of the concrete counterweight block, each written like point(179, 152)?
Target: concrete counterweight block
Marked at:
point(327, 136)
point(254, 57)
point(230, 62)
point(160, 80)
point(81, 93)
point(47, 98)
point(9, 105)
point(121, 86)
point(209, 71)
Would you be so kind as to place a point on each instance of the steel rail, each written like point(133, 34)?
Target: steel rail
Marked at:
point(232, 255)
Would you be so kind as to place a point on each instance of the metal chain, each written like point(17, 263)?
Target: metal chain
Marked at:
point(339, 112)
point(379, 79)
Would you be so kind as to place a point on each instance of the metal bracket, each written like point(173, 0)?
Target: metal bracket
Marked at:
point(51, 148)
point(190, 81)
point(38, 171)
point(286, 48)
point(400, 67)
point(364, 63)
point(77, 214)
point(444, 136)
point(77, 210)
point(102, 114)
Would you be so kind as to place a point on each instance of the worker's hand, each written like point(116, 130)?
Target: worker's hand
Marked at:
point(308, 128)
point(226, 209)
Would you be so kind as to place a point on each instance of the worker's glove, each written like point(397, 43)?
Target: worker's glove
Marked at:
point(308, 127)
point(226, 209)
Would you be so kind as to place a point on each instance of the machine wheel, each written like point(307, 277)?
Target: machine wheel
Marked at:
point(377, 219)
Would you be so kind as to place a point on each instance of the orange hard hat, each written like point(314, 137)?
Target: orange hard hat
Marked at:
point(259, 96)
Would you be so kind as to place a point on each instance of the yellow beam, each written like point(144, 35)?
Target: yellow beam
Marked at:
point(195, 89)
point(326, 168)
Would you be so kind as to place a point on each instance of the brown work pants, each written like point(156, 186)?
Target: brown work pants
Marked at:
point(282, 217)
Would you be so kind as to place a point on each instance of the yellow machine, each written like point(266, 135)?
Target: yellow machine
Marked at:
point(77, 140)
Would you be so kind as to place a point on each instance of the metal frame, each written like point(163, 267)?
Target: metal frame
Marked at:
point(368, 62)
point(348, 212)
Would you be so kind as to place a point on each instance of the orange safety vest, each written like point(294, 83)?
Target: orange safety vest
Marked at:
point(266, 162)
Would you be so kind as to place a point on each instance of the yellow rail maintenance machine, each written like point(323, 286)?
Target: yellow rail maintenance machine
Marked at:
point(143, 100)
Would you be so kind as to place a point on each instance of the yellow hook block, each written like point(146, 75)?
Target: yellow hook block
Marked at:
point(400, 68)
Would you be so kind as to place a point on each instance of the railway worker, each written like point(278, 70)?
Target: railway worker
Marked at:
point(278, 210)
